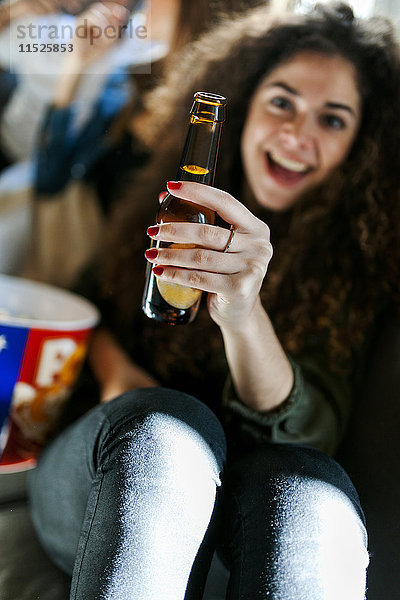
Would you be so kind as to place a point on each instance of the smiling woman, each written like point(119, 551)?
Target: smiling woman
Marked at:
point(336, 124)
point(308, 168)
point(295, 135)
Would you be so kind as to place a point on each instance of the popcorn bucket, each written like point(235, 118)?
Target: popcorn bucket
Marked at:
point(44, 332)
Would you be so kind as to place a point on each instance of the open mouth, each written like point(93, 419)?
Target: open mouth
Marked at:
point(286, 171)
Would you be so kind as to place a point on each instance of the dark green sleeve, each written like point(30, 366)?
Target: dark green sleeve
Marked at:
point(315, 413)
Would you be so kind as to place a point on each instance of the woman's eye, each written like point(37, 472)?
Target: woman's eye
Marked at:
point(282, 103)
point(333, 121)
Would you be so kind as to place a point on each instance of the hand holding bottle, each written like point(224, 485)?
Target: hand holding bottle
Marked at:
point(232, 276)
point(173, 303)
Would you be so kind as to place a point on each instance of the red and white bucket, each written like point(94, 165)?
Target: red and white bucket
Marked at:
point(44, 333)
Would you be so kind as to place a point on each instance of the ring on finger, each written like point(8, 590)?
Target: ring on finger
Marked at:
point(230, 239)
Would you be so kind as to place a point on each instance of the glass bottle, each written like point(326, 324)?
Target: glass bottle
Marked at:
point(168, 302)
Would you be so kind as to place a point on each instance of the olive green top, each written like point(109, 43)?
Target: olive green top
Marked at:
point(315, 413)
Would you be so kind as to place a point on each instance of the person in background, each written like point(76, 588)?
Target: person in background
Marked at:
point(10, 12)
point(35, 36)
point(132, 498)
point(65, 151)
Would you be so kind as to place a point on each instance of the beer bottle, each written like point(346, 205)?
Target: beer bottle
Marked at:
point(169, 302)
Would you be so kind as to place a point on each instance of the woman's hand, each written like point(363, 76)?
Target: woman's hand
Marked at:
point(232, 278)
point(113, 369)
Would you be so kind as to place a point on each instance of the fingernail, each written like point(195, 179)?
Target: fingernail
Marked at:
point(161, 196)
point(158, 270)
point(174, 185)
point(153, 231)
point(151, 253)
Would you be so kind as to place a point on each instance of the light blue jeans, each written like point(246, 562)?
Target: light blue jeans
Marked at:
point(129, 500)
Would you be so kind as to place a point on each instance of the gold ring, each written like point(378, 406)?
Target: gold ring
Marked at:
point(230, 239)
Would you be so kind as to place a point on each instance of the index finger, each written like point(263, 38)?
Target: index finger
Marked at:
point(230, 209)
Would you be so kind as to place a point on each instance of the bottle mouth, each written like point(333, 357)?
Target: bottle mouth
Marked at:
point(209, 107)
point(209, 98)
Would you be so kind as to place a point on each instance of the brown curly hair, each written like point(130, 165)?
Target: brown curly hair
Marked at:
point(337, 252)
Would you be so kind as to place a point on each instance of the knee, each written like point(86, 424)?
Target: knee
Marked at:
point(294, 479)
point(298, 508)
point(164, 428)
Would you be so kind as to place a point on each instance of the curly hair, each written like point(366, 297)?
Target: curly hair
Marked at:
point(337, 251)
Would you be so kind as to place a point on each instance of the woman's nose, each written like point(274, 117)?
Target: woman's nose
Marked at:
point(298, 134)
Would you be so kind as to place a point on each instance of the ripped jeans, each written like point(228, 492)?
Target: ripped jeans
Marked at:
point(133, 499)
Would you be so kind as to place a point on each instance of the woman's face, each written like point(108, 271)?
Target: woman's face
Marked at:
point(301, 123)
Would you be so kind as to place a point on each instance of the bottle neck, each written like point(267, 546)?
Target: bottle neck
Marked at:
point(200, 152)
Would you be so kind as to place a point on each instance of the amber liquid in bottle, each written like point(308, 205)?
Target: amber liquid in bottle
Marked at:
point(168, 302)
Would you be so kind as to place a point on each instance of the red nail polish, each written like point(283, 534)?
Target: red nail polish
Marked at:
point(151, 253)
point(174, 185)
point(153, 231)
point(158, 270)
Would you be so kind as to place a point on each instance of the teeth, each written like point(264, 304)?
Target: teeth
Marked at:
point(292, 165)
